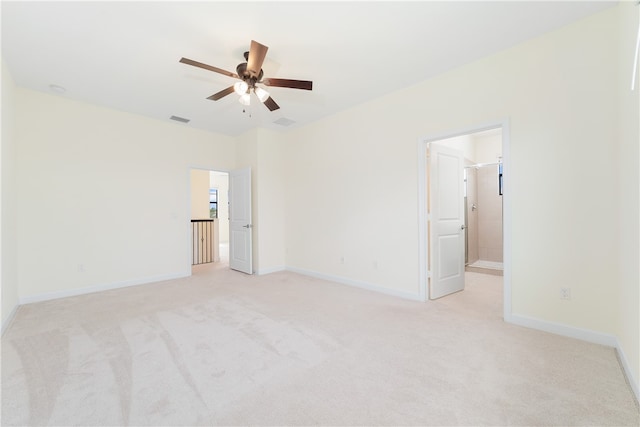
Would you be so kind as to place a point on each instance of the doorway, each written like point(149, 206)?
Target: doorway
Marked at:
point(483, 203)
point(209, 233)
point(492, 157)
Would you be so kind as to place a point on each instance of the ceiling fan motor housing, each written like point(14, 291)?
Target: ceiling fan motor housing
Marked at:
point(247, 76)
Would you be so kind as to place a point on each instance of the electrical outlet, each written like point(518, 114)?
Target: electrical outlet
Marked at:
point(375, 265)
point(341, 260)
point(565, 293)
point(80, 268)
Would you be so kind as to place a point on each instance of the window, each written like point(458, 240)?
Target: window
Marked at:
point(213, 203)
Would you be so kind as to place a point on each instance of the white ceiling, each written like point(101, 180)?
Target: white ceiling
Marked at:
point(124, 55)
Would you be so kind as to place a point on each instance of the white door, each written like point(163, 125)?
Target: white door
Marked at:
point(446, 201)
point(240, 221)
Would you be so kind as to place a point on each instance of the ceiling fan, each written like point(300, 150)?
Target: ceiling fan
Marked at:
point(250, 73)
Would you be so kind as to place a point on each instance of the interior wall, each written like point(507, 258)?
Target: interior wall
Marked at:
point(103, 195)
point(271, 200)
point(488, 146)
point(199, 194)
point(628, 185)
point(351, 202)
point(558, 93)
point(8, 207)
point(464, 143)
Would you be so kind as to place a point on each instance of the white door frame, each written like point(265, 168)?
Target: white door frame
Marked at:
point(423, 251)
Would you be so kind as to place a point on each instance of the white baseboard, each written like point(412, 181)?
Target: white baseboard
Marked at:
point(356, 283)
point(564, 330)
point(99, 288)
point(584, 335)
point(633, 381)
point(9, 319)
point(270, 270)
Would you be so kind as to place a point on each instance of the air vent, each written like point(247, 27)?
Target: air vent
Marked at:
point(283, 121)
point(180, 119)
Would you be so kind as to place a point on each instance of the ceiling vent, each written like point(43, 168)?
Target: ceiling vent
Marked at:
point(283, 121)
point(180, 119)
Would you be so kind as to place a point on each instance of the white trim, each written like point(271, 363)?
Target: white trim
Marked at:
point(563, 330)
point(99, 288)
point(7, 322)
point(583, 335)
point(633, 382)
point(269, 270)
point(506, 205)
point(356, 283)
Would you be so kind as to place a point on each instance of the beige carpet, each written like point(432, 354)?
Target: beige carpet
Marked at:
point(223, 348)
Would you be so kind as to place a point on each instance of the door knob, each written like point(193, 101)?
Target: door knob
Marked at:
point(462, 227)
point(247, 226)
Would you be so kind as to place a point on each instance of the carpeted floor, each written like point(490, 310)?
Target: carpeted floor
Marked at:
point(224, 348)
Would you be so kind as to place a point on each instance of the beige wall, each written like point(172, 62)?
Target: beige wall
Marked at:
point(8, 209)
point(628, 210)
point(271, 200)
point(114, 203)
point(463, 143)
point(199, 194)
point(557, 92)
point(488, 146)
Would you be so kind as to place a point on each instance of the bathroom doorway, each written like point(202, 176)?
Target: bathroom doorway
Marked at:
point(481, 152)
point(483, 203)
point(469, 141)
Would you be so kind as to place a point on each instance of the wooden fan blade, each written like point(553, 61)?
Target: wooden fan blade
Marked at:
point(208, 67)
point(257, 53)
point(221, 94)
point(293, 84)
point(271, 104)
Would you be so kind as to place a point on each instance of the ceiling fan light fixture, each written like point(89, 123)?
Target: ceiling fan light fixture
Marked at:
point(245, 99)
point(262, 94)
point(249, 73)
point(240, 88)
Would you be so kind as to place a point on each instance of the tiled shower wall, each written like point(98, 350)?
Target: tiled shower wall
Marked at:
point(489, 214)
